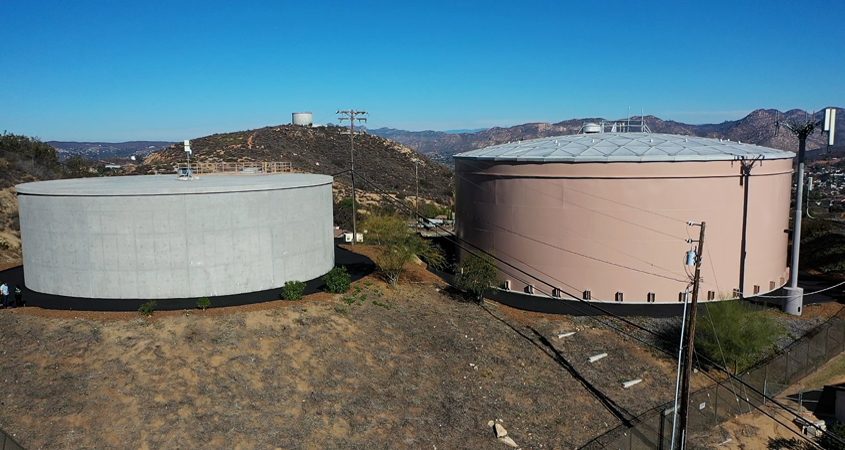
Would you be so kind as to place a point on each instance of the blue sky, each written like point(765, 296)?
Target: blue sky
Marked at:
point(114, 70)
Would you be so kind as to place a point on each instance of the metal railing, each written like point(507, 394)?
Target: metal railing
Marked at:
point(236, 167)
point(723, 401)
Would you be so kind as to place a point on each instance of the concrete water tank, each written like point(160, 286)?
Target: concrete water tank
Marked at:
point(158, 237)
point(604, 216)
point(305, 119)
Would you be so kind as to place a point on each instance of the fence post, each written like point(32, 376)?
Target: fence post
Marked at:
point(716, 401)
point(826, 337)
point(765, 383)
point(807, 359)
point(660, 430)
point(842, 341)
point(786, 371)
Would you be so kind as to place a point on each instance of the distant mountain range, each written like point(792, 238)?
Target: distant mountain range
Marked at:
point(759, 127)
point(464, 130)
point(107, 150)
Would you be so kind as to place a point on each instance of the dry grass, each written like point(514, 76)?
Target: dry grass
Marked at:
point(831, 373)
point(10, 241)
point(408, 367)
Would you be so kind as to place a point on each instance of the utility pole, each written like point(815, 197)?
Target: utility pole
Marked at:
point(795, 295)
point(690, 337)
point(744, 180)
point(352, 115)
point(417, 197)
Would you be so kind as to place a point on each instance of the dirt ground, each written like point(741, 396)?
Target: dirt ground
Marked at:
point(378, 367)
point(411, 367)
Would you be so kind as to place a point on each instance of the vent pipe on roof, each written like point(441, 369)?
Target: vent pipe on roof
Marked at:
point(592, 128)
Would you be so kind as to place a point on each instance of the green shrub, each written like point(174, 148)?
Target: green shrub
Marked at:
point(431, 210)
point(382, 304)
point(398, 246)
point(744, 335)
point(293, 290)
point(147, 308)
point(337, 280)
point(475, 275)
point(204, 303)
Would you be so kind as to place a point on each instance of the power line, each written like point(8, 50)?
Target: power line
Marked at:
point(582, 254)
point(522, 271)
point(713, 326)
point(541, 192)
point(797, 433)
point(587, 256)
point(655, 213)
point(609, 404)
point(525, 273)
point(590, 209)
point(563, 201)
point(612, 315)
point(806, 293)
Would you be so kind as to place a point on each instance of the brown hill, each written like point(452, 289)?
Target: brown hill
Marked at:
point(22, 159)
point(323, 150)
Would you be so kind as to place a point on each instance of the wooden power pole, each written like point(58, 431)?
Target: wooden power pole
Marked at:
point(690, 342)
point(352, 115)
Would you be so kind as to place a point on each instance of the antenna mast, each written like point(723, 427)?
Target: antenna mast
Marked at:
point(189, 174)
point(800, 129)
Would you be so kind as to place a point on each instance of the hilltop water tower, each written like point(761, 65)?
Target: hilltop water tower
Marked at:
point(305, 119)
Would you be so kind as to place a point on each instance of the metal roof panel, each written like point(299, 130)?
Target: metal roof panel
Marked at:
point(624, 147)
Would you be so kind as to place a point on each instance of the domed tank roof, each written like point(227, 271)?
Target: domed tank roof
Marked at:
point(143, 185)
point(624, 147)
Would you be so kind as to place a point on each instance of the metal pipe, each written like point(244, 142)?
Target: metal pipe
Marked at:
point(678, 376)
point(809, 189)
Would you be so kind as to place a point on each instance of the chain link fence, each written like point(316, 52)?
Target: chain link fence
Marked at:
point(723, 401)
point(7, 443)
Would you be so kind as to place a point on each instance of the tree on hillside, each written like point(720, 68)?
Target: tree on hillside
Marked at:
point(737, 332)
point(77, 167)
point(823, 246)
point(23, 155)
point(430, 210)
point(398, 246)
point(475, 275)
point(343, 213)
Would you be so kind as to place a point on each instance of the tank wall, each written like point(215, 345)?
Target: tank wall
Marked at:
point(621, 227)
point(175, 246)
point(302, 118)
